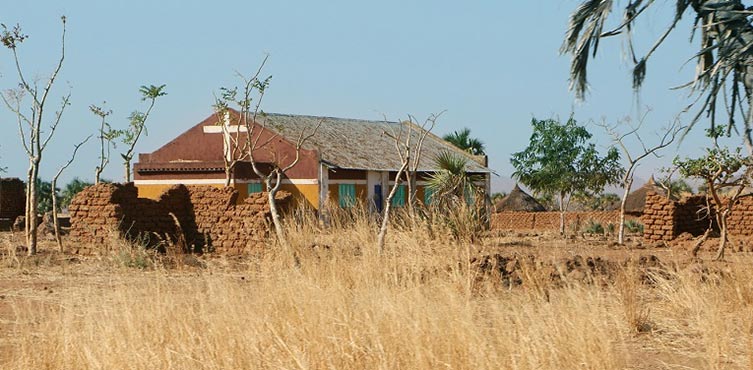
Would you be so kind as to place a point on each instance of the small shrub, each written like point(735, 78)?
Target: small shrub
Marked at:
point(634, 226)
point(611, 228)
point(594, 227)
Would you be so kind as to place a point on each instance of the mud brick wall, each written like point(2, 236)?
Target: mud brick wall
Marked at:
point(200, 218)
point(740, 221)
point(665, 219)
point(12, 198)
point(551, 220)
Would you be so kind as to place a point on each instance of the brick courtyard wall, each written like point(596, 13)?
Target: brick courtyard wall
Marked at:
point(551, 220)
point(665, 219)
point(199, 218)
point(12, 198)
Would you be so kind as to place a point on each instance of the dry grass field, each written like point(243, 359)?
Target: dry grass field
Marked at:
point(512, 301)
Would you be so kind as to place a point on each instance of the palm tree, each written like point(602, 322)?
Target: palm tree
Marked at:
point(724, 57)
point(452, 183)
point(463, 140)
point(457, 200)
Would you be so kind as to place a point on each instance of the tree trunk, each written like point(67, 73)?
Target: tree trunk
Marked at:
point(562, 214)
point(31, 211)
point(722, 218)
point(621, 230)
point(127, 164)
point(97, 173)
point(386, 214)
point(228, 175)
point(411, 185)
point(55, 220)
point(699, 242)
point(276, 219)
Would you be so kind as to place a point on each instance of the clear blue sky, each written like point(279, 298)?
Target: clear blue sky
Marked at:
point(492, 65)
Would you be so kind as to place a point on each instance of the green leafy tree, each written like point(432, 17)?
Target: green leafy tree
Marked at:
point(463, 140)
point(724, 55)
point(720, 169)
point(137, 124)
point(559, 160)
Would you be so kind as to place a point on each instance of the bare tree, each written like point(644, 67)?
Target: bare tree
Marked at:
point(403, 148)
point(235, 146)
point(137, 124)
point(258, 139)
point(632, 158)
point(30, 126)
point(107, 136)
point(55, 220)
point(414, 161)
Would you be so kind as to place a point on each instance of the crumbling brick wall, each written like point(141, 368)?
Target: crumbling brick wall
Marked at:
point(201, 218)
point(740, 221)
point(665, 219)
point(551, 220)
point(12, 199)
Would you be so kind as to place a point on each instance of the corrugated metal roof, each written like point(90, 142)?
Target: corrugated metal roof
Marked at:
point(363, 144)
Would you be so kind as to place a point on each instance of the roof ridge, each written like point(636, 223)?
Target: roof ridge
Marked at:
point(329, 117)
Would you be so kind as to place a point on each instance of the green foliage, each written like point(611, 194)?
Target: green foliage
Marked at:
point(594, 227)
point(498, 196)
point(463, 140)
point(717, 166)
point(137, 119)
point(452, 182)
point(680, 186)
point(559, 160)
point(44, 195)
point(601, 202)
point(634, 226)
point(71, 189)
point(12, 37)
point(456, 199)
point(230, 96)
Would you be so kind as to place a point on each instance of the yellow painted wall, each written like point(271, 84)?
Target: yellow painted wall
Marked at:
point(361, 193)
point(308, 193)
point(154, 191)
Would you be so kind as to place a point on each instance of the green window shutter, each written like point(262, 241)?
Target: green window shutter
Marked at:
point(428, 194)
point(254, 187)
point(399, 199)
point(347, 195)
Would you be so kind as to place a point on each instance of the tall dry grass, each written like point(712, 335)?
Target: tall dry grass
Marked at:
point(337, 304)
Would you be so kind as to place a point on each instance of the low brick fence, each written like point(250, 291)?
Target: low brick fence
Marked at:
point(551, 220)
point(199, 218)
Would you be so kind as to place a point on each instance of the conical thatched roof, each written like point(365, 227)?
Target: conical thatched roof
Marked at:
point(518, 201)
point(637, 199)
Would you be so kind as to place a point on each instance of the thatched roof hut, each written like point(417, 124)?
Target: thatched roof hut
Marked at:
point(518, 201)
point(637, 199)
